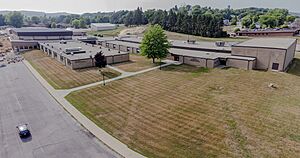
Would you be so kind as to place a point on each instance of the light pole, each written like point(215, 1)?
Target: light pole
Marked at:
point(159, 63)
point(102, 73)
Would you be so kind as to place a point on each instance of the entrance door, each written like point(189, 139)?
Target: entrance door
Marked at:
point(275, 66)
point(223, 61)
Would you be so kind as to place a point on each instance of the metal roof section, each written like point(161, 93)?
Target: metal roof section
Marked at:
point(75, 50)
point(277, 43)
point(42, 32)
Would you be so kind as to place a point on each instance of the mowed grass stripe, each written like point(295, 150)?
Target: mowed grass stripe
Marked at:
point(175, 113)
point(61, 77)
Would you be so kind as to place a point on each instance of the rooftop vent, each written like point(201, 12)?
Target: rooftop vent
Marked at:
point(220, 43)
point(63, 42)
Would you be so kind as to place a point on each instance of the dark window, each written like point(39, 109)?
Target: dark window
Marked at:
point(275, 66)
point(176, 58)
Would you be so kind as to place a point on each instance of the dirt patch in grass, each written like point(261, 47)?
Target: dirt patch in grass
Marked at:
point(220, 113)
point(136, 63)
point(61, 77)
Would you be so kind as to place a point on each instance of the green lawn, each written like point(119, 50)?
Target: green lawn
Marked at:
point(61, 77)
point(183, 111)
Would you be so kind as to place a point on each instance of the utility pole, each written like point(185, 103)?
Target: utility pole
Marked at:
point(159, 63)
point(103, 77)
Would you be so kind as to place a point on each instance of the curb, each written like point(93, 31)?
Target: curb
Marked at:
point(113, 143)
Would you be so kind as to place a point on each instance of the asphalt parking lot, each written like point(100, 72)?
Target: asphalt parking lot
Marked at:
point(55, 134)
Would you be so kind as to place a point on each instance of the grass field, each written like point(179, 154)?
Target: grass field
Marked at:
point(61, 77)
point(136, 63)
point(184, 111)
point(114, 32)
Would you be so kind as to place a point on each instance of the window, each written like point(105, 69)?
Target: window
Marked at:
point(275, 66)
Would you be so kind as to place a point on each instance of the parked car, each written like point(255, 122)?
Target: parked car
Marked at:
point(23, 131)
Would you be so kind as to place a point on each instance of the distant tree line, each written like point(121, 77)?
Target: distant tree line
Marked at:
point(266, 18)
point(194, 20)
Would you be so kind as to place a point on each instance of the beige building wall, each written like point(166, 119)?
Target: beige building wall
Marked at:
point(79, 64)
point(211, 63)
point(241, 64)
point(265, 56)
point(195, 61)
point(121, 58)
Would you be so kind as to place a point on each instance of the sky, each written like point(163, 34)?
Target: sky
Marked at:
point(82, 6)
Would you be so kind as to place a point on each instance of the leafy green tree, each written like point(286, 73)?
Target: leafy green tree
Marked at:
point(252, 26)
point(155, 44)
point(247, 21)
point(236, 30)
point(290, 18)
point(234, 20)
point(15, 19)
point(76, 23)
point(269, 21)
point(35, 20)
point(82, 23)
point(53, 25)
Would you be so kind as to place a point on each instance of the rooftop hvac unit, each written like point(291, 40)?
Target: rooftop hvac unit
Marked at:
point(63, 42)
point(220, 43)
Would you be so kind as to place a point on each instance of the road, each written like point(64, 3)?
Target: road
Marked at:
point(55, 134)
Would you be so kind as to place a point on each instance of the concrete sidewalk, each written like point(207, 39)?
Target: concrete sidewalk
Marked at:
point(106, 138)
point(125, 75)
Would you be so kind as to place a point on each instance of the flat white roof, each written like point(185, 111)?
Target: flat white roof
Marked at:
point(103, 24)
point(276, 43)
point(91, 50)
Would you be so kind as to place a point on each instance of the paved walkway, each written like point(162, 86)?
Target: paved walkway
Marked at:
point(106, 138)
point(125, 75)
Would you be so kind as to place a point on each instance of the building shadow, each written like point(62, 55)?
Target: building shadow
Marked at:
point(295, 67)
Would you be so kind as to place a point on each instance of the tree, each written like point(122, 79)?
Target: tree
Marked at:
point(100, 60)
point(252, 26)
point(35, 20)
point(155, 44)
point(269, 21)
point(53, 25)
point(15, 19)
point(128, 21)
point(246, 21)
point(234, 20)
point(82, 23)
point(76, 23)
point(236, 30)
point(2, 20)
point(290, 18)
